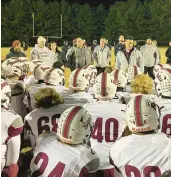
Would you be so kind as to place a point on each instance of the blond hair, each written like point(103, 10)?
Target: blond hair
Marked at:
point(47, 97)
point(40, 39)
point(142, 84)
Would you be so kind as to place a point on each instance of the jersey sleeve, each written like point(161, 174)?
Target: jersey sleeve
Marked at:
point(15, 128)
point(90, 160)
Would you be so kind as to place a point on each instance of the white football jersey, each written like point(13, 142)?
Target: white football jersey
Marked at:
point(53, 158)
point(109, 124)
point(165, 118)
point(30, 80)
point(42, 120)
point(79, 97)
point(62, 90)
point(11, 126)
point(142, 155)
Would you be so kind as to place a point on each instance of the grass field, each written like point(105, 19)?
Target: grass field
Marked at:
point(5, 51)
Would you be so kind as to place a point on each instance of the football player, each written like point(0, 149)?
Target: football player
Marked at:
point(163, 89)
point(11, 128)
point(49, 106)
point(79, 84)
point(146, 152)
point(54, 79)
point(66, 154)
point(16, 70)
point(39, 74)
point(108, 117)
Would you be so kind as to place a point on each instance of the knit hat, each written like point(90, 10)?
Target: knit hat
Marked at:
point(15, 43)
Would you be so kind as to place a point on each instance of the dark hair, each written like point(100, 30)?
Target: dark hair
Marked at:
point(51, 44)
point(57, 64)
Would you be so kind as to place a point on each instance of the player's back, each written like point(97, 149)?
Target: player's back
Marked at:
point(142, 155)
point(42, 120)
point(165, 118)
point(59, 159)
point(79, 97)
point(108, 118)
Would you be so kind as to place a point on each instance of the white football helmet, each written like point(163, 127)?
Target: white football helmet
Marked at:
point(12, 67)
point(61, 74)
point(142, 114)
point(40, 71)
point(77, 80)
point(156, 69)
point(75, 126)
point(167, 66)
point(5, 94)
point(104, 88)
point(119, 77)
point(133, 71)
point(52, 77)
point(90, 74)
point(163, 83)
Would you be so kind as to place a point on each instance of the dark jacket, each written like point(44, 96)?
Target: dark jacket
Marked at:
point(61, 57)
point(168, 55)
point(93, 47)
point(118, 47)
point(15, 54)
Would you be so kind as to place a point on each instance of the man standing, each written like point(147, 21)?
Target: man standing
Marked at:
point(102, 56)
point(168, 53)
point(120, 45)
point(78, 56)
point(130, 56)
point(40, 51)
point(151, 57)
point(15, 51)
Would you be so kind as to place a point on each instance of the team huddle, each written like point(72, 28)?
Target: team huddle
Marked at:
point(114, 124)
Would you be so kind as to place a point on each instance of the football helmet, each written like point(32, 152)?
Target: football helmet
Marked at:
point(77, 80)
point(141, 114)
point(133, 71)
point(40, 71)
point(104, 88)
point(12, 67)
point(61, 74)
point(52, 77)
point(119, 77)
point(75, 126)
point(163, 83)
point(156, 69)
point(5, 94)
point(90, 74)
point(167, 66)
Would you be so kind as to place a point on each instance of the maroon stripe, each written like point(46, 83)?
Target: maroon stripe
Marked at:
point(160, 65)
point(12, 132)
point(168, 70)
point(135, 71)
point(116, 75)
point(75, 77)
point(103, 84)
point(69, 119)
point(138, 117)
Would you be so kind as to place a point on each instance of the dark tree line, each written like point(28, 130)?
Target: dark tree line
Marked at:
point(150, 18)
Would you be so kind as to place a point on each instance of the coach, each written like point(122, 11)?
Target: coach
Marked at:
point(151, 57)
point(130, 56)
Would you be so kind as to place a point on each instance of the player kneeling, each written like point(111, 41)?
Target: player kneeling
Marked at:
point(66, 154)
point(146, 152)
